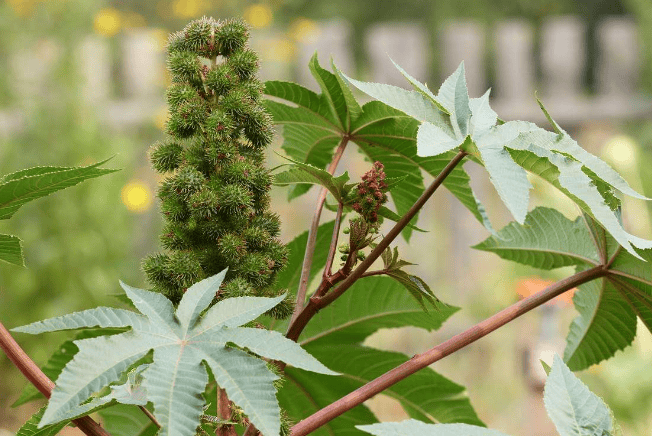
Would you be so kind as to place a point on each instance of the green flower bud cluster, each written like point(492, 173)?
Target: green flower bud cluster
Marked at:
point(215, 196)
point(371, 193)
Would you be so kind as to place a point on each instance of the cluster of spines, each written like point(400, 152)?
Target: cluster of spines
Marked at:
point(215, 197)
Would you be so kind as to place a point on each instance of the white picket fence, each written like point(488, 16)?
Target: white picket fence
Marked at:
point(562, 58)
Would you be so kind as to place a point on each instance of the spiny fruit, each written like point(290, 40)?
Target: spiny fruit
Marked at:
point(215, 197)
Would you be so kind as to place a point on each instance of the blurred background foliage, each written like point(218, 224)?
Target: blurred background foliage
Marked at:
point(80, 242)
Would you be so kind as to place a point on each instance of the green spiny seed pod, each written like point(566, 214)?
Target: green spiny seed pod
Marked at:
point(254, 88)
point(269, 221)
point(232, 35)
point(215, 198)
point(244, 63)
point(219, 126)
point(238, 287)
point(185, 68)
point(282, 310)
point(204, 204)
point(180, 93)
point(175, 237)
point(166, 156)
point(199, 34)
point(221, 79)
point(186, 181)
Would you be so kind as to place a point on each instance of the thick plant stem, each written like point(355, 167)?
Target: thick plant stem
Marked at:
point(316, 303)
point(442, 350)
point(36, 377)
point(312, 233)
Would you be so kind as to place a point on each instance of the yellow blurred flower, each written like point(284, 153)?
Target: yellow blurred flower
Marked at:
point(280, 50)
point(305, 30)
point(107, 22)
point(22, 8)
point(258, 15)
point(188, 8)
point(137, 196)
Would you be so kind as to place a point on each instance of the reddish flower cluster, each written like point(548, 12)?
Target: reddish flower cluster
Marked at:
point(371, 193)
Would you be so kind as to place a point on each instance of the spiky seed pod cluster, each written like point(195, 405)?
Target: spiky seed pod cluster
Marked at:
point(371, 193)
point(215, 197)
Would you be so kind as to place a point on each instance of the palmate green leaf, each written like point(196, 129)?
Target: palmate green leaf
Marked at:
point(336, 334)
point(572, 407)
point(126, 420)
point(547, 240)
point(182, 343)
point(371, 304)
point(303, 394)
point(11, 250)
point(424, 395)
point(607, 306)
point(413, 427)
point(508, 149)
point(314, 124)
point(19, 188)
point(30, 428)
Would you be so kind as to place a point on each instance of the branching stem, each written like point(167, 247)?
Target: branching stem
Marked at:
point(312, 233)
point(442, 350)
point(36, 377)
point(321, 300)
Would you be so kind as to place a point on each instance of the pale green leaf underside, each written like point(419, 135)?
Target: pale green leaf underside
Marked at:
point(433, 141)
point(572, 407)
point(454, 96)
point(176, 378)
point(412, 103)
point(535, 151)
point(413, 427)
point(11, 250)
point(547, 240)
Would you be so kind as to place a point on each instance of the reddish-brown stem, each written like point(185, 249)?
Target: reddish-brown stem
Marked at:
point(333, 247)
point(150, 415)
point(36, 377)
point(224, 411)
point(251, 431)
point(442, 350)
point(379, 272)
point(316, 303)
point(312, 233)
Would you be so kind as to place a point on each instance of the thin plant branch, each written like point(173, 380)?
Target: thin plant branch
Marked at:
point(150, 415)
point(442, 350)
point(316, 303)
point(333, 247)
point(312, 233)
point(36, 377)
